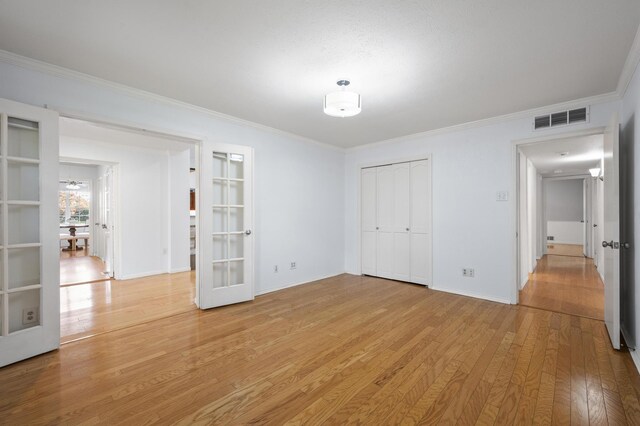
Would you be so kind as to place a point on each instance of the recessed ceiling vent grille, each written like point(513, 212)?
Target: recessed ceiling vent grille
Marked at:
point(574, 116)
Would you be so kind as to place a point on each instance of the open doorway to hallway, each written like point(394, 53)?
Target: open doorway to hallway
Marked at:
point(129, 210)
point(560, 216)
point(84, 203)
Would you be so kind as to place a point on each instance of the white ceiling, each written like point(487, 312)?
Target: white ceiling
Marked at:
point(419, 65)
point(582, 154)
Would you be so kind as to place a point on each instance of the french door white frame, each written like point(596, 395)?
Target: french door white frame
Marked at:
point(359, 201)
point(515, 190)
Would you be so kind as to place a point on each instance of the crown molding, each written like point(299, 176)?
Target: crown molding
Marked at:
point(630, 65)
point(578, 103)
point(36, 65)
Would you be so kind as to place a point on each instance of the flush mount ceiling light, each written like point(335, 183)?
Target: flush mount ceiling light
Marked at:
point(342, 103)
point(595, 172)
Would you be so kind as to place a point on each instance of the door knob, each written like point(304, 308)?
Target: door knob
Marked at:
point(248, 232)
point(607, 244)
point(407, 229)
point(625, 245)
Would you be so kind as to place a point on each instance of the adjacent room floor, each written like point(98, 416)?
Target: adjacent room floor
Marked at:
point(98, 307)
point(347, 349)
point(77, 267)
point(567, 284)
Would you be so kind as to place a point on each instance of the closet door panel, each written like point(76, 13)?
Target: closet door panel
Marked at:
point(385, 197)
point(369, 253)
point(384, 257)
point(420, 259)
point(401, 256)
point(401, 200)
point(368, 199)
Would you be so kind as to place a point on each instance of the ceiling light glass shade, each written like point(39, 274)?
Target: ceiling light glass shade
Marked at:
point(595, 172)
point(342, 104)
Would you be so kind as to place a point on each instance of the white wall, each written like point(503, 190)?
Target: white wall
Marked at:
point(565, 232)
point(630, 212)
point(179, 186)
point(564, 200)
point(299, 185)
point(470, 228)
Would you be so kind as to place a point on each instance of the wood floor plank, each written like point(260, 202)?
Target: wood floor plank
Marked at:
point(345, 350)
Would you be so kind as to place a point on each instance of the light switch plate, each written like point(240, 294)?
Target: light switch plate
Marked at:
point(502, 196)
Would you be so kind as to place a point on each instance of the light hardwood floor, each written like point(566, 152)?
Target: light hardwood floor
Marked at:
point(344, 350)
point(100, 307)
point(565, 249)
point(566, 284)
point(77, 267)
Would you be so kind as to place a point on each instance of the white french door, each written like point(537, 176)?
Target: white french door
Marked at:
point(29, 229)
point(611, 243)
point(226, 222)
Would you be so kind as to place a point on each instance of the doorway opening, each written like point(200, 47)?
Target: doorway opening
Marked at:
point(84, 210)
point(134, 227)
point(560, 222)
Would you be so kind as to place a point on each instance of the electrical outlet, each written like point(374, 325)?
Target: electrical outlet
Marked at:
point(293, 265)
point(275, 268)
point(468, 272)
point(465, 272)
point(29, 316)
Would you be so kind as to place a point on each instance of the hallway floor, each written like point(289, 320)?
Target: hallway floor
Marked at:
point(566, 284)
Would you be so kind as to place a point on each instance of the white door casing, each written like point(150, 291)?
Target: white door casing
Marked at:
point(226, 237)
point(420, 222)
point(29, 232)
point(611, 243)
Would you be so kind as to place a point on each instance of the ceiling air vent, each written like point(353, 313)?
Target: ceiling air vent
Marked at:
point(559, 118)
point(579, 115)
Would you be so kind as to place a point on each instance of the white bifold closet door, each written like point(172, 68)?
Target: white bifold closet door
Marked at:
point(396, 220)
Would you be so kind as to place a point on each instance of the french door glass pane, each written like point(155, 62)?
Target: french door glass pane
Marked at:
point(219, 165)
point(23, 139)
point(24, 310)
point(23, 181)
point(220, 219)
point(236, 166)
point(236, 272)
point(220, 247)
point(220, 274)
point(236, 219)
point(24, 224)
point(219, 192)
point(23, 267)
point(236, 195)
point(236, 246)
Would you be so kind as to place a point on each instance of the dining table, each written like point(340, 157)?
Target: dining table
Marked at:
point(72, 227)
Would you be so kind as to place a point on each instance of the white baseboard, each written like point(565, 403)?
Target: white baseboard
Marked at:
point(177, 270)
point(140, 275)
point(260, 293)
point(474, 295)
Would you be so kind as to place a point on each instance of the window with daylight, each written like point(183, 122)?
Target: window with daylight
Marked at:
point(74, 204)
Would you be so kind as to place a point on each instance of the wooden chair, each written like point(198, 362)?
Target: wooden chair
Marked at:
point(71, 240)
point(83, 236)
